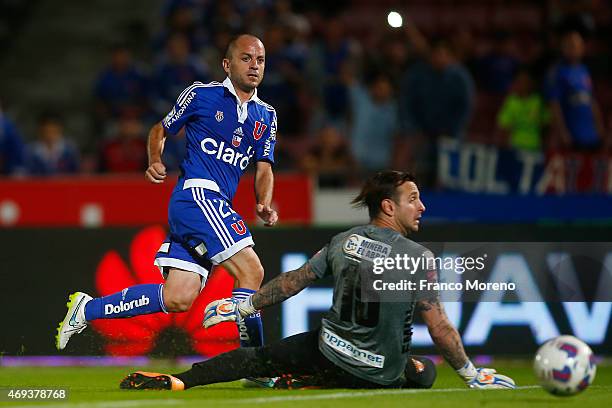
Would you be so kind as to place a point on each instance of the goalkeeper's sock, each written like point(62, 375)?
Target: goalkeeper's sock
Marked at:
point(250, 327)
point(132, 301)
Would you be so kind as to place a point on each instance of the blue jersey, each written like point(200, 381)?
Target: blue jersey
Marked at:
point(223, 136)
point(570, 85)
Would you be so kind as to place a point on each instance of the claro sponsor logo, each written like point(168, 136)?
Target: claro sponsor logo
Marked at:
point(349, 349)
point(125, 306)
point(226, 153)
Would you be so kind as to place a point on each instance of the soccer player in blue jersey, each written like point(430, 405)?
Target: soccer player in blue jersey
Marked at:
point(576, 116)
point(227, 126)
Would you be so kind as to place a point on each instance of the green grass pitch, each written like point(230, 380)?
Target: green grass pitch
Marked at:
point(99, 387)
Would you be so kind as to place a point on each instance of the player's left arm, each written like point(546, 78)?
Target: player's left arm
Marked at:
point(448, 341)
point(264, 187)
point(442, 332)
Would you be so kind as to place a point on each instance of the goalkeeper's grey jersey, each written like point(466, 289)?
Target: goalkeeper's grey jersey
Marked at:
point(371, 340)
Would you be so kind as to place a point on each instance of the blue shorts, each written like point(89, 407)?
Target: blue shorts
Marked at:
point(204, 231)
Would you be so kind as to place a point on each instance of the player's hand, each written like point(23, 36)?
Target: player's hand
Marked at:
point(489, 378)
point(267, 214)
point(156, 173)
point(222, 310)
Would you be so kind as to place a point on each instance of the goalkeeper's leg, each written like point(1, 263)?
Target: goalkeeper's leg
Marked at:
point(295, 354)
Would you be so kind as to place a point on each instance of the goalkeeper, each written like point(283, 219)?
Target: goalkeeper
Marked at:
point(359, 344)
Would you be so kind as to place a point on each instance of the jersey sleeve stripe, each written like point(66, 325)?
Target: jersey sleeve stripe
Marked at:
point(265, 105)
point(188, 89)
point(185, 94)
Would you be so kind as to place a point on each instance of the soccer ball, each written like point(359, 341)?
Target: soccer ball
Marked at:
point(564, 365)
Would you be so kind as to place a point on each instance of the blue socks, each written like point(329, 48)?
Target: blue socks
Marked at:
point(250, 328)
point(132, 301)
point(146, 299)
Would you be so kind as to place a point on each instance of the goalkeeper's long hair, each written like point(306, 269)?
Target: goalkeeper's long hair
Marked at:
point(379, 187)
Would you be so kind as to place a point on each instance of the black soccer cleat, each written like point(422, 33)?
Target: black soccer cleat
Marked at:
point(142, 380)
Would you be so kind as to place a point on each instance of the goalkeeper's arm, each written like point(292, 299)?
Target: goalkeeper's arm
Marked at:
point(447, 340)
point(443, 333)
point(278, 289)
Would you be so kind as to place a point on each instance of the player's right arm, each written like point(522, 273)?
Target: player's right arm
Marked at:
point(156, 172)
point(278, 289)
point(288, 284)
point(184, 110)
point(283, 287)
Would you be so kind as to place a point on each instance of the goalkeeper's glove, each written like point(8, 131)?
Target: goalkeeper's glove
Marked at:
point(227, 310)
point(484, 377)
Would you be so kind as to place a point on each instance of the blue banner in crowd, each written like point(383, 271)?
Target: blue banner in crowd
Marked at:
point(479, 168)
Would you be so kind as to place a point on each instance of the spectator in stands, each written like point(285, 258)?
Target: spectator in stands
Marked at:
point(183, 17)
point(222, 15)
point(523, 114)
point(437, 95)
point(464, 46)
point(374, 121)
point(282, 81)
point(213, 55)
point(297, 26)
point(51, 153)
point(576, 117)
point(328, 58)
point(496, 69)
point(121, 88)
point(436, 100)
point(126, 151)
point(11, 147)
point(178, 69)
point(329, 159)
point(389, 54)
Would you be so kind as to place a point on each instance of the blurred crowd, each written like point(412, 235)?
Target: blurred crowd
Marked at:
point(355, 95)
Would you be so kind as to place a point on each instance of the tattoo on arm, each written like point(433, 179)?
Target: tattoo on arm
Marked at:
point(429, 303)
point(443, 333)
point(283, 287)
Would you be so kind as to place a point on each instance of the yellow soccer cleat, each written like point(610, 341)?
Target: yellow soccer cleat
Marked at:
point(74, 322)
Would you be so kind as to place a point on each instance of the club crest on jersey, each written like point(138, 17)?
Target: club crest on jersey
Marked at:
point(259, 129)
point(219, 116)
point(237, 138)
